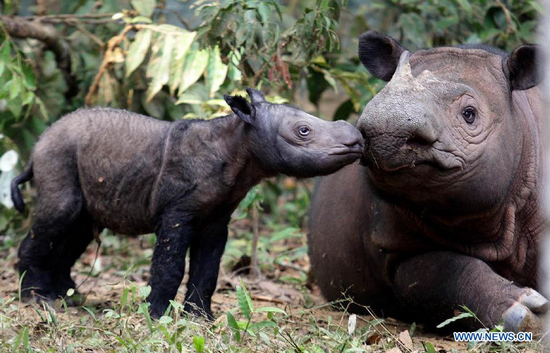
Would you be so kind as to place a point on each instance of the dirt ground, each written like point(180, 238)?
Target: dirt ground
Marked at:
point(105, 289)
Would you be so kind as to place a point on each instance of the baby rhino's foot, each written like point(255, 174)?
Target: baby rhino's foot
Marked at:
point(527, 313)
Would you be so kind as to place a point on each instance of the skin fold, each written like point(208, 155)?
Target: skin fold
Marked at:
point(443, 210)
point(106, 168)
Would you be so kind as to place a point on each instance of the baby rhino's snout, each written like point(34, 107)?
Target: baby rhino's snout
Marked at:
point(348, 136)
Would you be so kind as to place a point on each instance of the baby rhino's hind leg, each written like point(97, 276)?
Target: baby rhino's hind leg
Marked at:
point(79, 235)
point(49, 250)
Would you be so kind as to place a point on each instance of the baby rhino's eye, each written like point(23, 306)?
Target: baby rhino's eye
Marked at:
point(304, 130)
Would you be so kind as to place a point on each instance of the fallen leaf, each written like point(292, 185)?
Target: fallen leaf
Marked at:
point(374, 338)
point(405, 339)
point(351, 324)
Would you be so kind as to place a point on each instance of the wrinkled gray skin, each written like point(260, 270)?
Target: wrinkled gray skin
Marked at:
point(445, 210)
point(106, 168)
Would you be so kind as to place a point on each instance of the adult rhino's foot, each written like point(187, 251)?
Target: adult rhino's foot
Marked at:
point(527, 313)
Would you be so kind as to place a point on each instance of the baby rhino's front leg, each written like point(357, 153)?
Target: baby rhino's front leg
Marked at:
point(174, 235)
point(436, 284)
point(204, 265)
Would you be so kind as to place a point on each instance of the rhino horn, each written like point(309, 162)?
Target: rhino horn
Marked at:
point(403, 71)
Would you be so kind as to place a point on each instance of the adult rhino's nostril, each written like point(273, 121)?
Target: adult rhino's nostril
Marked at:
point(417, 140)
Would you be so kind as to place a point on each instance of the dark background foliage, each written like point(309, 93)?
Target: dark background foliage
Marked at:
point(175, 59)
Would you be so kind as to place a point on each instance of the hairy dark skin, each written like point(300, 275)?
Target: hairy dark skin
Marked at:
point(444, 210)
point(107, 168)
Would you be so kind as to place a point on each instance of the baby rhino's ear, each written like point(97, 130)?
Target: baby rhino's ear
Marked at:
point(242, 108)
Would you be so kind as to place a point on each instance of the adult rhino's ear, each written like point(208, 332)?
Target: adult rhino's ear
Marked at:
point(522, 69)
point(379, 54)
point(255, 96)
point(242, 108)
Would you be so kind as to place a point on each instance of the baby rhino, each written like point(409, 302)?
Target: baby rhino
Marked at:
point(107, 168)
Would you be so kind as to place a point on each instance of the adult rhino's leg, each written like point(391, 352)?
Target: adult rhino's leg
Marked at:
point(435, 284)
point(204, 264)
point(344, 262)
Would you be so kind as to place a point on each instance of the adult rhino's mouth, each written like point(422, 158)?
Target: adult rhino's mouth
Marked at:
point(407, 157)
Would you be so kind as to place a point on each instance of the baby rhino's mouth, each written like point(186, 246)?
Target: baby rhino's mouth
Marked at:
point(354, 149)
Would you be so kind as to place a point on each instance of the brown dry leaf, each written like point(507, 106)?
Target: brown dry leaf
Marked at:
point(406, 339)
point(374, 338)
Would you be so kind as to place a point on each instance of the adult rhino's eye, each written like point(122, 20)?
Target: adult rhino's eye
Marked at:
point(469, 115)
point(304, 131)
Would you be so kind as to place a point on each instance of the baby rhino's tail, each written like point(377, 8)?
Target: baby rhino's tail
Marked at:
point(15, 192)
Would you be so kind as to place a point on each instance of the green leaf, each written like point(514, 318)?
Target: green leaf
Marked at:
point(446, 22)
point(344, 111)
point(262, 324)
point(165, 319)
point(216, 71)
point(252, 195)
point(15, 107)
point(156, 107)
point(429, 347)
point(15, 88)
point(2, 67)
point(90, 312)
point(144, 291)
point(189, 98)
point(5, 54)
point(162, 74)
point(178, 59)
point(42, 108)
point(244, 302)
point(466, 6)
point(234, 325)
point(29, 98)
point(193, 68)
point(144, 309)
point(264, 11)
point(138, 50)
point(124, 298)
point(287, 233)
point(141, 19)
point(30, 78)
point(39, 126)
point(198, 343)
point(144, 7)
point(231, 321)
point(270, 309)
point(458, 317)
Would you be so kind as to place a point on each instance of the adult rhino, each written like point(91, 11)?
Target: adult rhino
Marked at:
point(444, 211)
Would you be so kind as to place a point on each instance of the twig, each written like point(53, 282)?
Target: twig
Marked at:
point(113, 42)
point(509, 23)
point(92, 36)
point(263, 298)
point(21, 28)
point(183, 21)
point(72, 21)
point(93, 15)
point(259, 73)
point(255, 236)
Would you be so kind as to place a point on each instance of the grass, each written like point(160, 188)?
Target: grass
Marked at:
point(277, 312)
